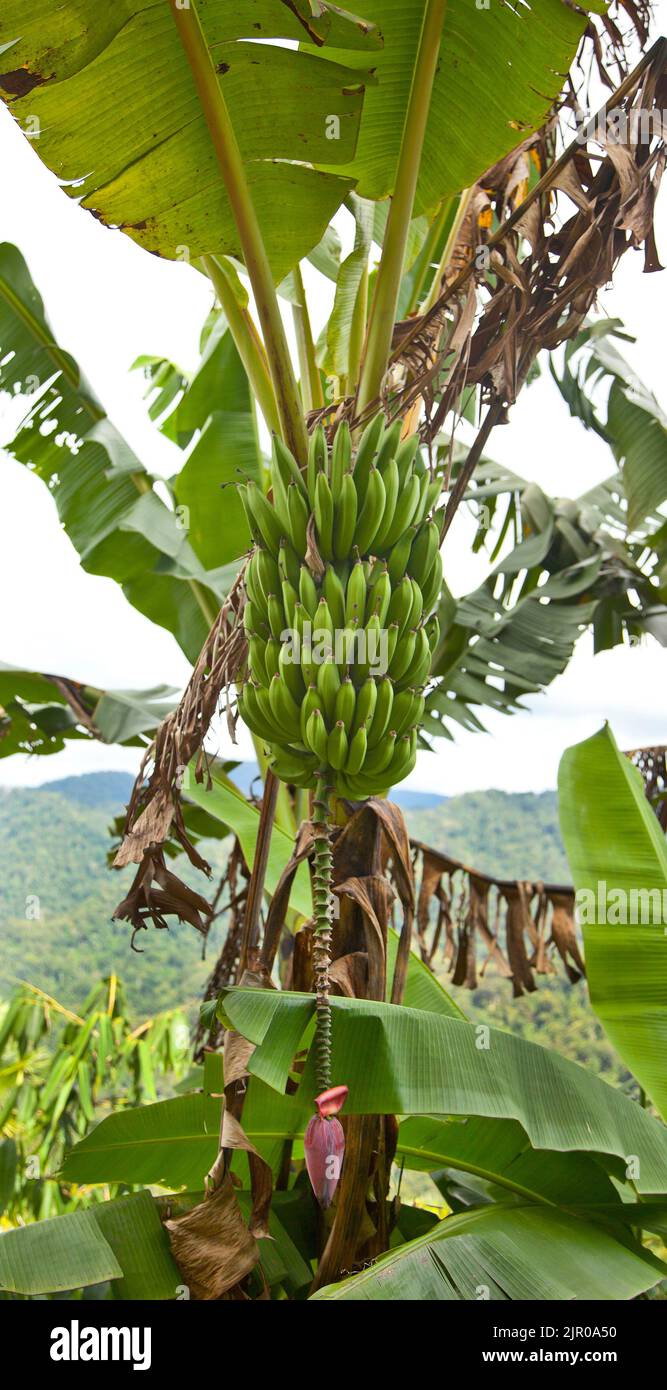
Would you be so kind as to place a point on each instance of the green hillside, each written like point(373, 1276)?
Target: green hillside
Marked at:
point(512, 834)
point(53, 847)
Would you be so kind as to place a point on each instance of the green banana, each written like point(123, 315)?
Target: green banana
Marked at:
point(276, 616)
point(417, 605)
point(432, 629)
point(417, 672)
point(400, 606)
point(383, 712)
point(341, 456)
point(337, 747)
point(433, 586)
point(399, 556)
point(298, 513)
point(365, 704)
point(288, 563)
point(317, 461)
point(284, 709)
point(372, 511)
point(290, 600)
point(404, 512)
point(356, 751)
point(253, 622)
point(291, 674)
point(391, 482)
point(355, 596)
point(406, 453)
point(422, 555)
point(328, 685)
point(265, 518)
point(316, 736)
point(272, 652)
point(324, 515)
point(334, 594)
point(311, 702)
point(403, 656)
point(379, 598)
point(366, 451)
point(346, 508)
point(253, 585)
point(256, 661)
point(390, 442)
point(345, 702)
point(308, 594)
point(285, 465)
point(379, 758)
point(268, 574)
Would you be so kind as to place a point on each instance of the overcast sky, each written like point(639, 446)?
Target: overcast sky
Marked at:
point(108, 302)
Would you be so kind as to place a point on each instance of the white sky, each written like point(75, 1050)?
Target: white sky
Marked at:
point(108, 302)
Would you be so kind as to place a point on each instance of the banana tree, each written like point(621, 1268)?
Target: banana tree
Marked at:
point(325, 638)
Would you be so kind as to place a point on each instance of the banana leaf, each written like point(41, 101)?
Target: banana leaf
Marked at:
point(496, 1253)
point(341, 109)
point(425, 1064)
point(618, 859)
point(122, 1241)
point(106, 500)
point(225, 803)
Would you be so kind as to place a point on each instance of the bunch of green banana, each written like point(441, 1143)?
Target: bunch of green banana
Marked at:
point(339, 652)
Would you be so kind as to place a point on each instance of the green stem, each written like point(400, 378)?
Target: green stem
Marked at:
point(229, 158)
point(358, 330)
point(448, 250)
point(323, 926)
point(311, 382)
point(385, 299)
point(426, 255)
point(246, 339)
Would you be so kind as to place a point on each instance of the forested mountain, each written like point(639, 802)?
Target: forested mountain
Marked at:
point(57, 895)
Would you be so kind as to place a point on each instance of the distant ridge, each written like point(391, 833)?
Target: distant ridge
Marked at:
point(93, 788)
point(106, 788)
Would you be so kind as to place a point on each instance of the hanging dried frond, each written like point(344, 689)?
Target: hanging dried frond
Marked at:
point(180, 737)
point(234, 882)
point(154, 811)
point(532, 921)
point(537, 281)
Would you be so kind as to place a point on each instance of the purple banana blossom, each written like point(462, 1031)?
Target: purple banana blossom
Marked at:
point(324, 1145)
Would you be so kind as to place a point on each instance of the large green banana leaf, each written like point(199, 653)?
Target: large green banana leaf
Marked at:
point(514, 634)
point(141, 158)
point(106, 500)
point(174, 1143)
point(37, 718)
point(616, 850)
point(427, 1064)
point(635, 426)
point(122, 1241)
point(498, 1252)
point(118, 109)
point(225, 803)
point(499, 70)
point(64, 1253)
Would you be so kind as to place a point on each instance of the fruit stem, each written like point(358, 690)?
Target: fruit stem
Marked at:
point(231, 166)
point(246, 339)
point(323, 927)
point(387, 285)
